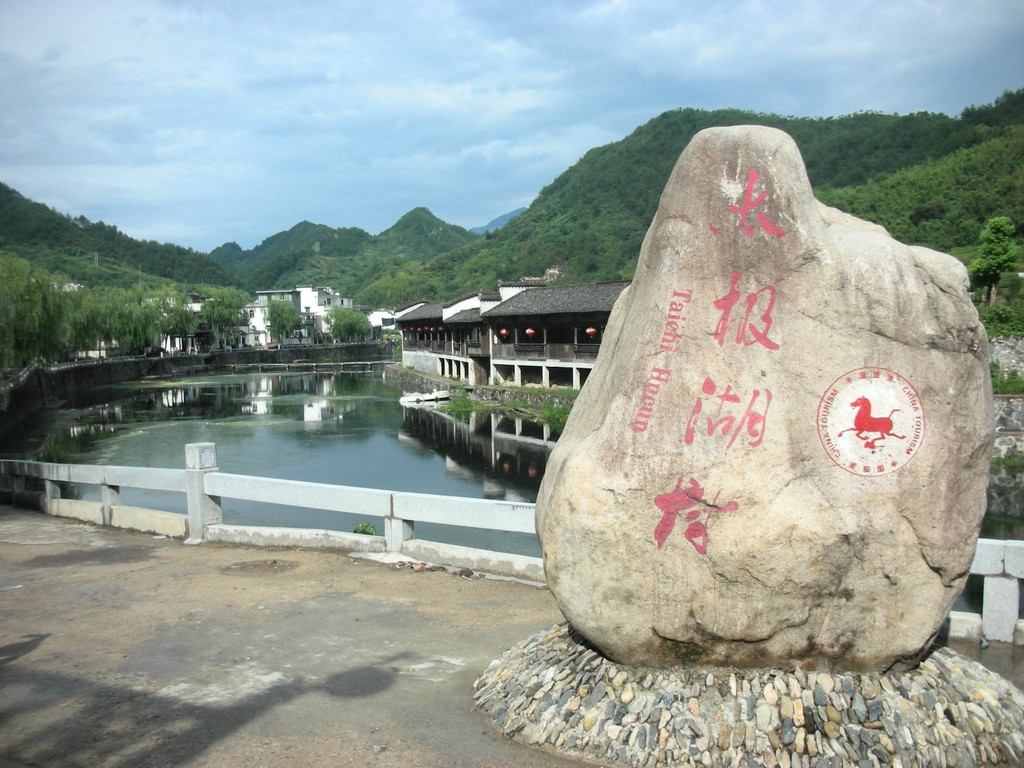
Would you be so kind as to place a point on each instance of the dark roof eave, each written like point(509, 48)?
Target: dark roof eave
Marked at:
point(560, 300)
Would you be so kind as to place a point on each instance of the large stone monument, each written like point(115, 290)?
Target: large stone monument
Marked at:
point(781, 455)
point(767, 497)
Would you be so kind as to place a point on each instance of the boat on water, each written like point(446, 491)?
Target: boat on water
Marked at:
point(411, 398)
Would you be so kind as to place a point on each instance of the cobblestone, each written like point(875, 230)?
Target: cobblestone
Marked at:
point(949, 711)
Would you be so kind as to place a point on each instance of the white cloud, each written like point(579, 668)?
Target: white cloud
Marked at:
point(201, 122)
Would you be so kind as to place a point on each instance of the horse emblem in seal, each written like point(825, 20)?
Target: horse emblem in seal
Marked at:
point(871, 421)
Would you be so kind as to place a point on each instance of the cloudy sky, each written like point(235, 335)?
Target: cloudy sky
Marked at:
point(200, 122)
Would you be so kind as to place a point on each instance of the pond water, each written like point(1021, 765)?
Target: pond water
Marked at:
point(341, 428)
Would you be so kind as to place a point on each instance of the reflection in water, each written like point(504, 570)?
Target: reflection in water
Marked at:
point(500, 447)
point(343, 428)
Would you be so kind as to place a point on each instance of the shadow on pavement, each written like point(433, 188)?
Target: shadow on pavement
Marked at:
point(55, 719)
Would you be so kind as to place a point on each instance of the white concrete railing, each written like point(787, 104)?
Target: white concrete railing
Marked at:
point(204, 486)
point(1001, 563)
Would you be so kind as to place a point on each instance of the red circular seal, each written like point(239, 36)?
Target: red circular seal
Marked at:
point(871, 422)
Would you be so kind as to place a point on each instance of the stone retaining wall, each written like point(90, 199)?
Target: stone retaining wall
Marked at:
point(40, 387)
point(1008, 353)
point(415, 381)
point(1006, 492)
point(1009, 411)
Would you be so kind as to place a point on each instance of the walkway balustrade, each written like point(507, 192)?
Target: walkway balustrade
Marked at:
point(1001, 563)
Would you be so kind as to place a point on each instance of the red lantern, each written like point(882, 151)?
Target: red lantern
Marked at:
point(503, 333)
point(530, 332)
point(591, 331)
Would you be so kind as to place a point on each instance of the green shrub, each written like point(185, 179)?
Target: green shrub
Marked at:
point(1006, 383)
point(367, 529)
point(459, 407)
point(555, 416)
point(1003, 319)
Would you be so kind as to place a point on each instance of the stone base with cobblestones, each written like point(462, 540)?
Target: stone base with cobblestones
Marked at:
point(557, 693)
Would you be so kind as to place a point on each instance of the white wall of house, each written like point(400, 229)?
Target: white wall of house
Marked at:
point(381, 318)
point(313, 302)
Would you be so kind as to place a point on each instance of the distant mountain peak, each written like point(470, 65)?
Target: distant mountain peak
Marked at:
point(497, 223)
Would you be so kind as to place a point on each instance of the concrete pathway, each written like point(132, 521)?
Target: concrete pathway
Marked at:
point(119, 649)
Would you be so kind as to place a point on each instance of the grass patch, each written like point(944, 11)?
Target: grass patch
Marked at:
point(1008, 462)
point(460, 407)
point(555, 416)
point(1006, 383)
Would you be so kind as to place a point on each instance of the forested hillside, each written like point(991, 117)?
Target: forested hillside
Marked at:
point(97, 254)
point(929, 178)
point(341, 258)
point(933, 179)
point(944, 204)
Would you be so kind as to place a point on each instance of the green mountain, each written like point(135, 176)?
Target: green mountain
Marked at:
point(497, 223)
point(94, 253)
point(929, 178)
point(944, 175)
point(945, 203)
point(341, 258)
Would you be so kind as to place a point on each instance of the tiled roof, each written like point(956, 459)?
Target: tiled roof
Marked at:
point(560, 299)
point(483, 296)
point(530, 282)
point(405, 307)
point(430, 311)
point(470, 316)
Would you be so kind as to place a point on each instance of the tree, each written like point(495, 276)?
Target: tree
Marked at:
point(347, 324)
point(179, 321)
point(998, 255)
point(31, 313)
point(222, 310)
point(85, 321)
point(133, 319)
point(282, 319)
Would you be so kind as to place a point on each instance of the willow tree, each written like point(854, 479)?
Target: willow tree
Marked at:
point(222, 310)
point(133, 319)
point(282, 318)
point(347, 324)
point(179, 321)
point(31, 314)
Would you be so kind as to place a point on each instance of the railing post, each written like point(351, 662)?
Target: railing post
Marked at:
point(397, 530)
point(1001, 563)
point(52, 488)
point(999, 608)
point(203, 510)
point(110, 496)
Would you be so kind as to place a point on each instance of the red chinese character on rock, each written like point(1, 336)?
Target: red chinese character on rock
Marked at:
point(691, 501)
point(752, 420)
point(751, 203)
point(748, 333)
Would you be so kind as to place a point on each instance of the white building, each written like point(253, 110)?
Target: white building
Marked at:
point(312, 302)
point(381, 319)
